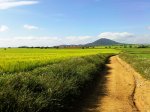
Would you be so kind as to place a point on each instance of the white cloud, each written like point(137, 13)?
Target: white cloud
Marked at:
point(117, 36)
point(123, 37)
point(142, 39)
point(4, 28)
point(29, 41)
point(6, 4)
point(30, 27)
point(79, 39)
point(126, 37)
point(44, 41)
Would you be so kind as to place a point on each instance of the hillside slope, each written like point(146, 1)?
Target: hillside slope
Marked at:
point(103, 41)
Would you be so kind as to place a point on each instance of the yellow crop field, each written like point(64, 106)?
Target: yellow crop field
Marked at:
point(15, 60)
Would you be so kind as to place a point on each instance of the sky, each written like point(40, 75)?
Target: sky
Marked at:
point(57, 22)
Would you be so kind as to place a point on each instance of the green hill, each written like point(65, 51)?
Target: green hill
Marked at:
point(103, 41)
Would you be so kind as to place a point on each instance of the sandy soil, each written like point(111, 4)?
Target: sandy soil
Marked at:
point(120, 89)
point(142, 89)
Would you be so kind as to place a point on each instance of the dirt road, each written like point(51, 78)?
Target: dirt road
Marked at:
point(120, 89)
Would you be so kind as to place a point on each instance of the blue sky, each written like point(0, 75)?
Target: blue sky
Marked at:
point(54, 22)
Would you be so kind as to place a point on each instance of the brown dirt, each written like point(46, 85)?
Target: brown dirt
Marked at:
point(120, 89)
point(142, 90)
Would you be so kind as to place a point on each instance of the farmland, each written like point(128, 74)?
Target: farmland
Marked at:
point(53, 80)
point(16, 60)
point(41, 80)
point(139, 58)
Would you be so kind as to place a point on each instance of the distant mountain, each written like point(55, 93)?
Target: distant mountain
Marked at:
point(99, 42)
point(103, 41)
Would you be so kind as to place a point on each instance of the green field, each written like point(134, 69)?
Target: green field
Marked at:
point(139, 58)
point(41, 80)
point(140, 52)
point(47, 80)
point(16, 60)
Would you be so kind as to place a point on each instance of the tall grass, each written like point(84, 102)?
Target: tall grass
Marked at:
point(53, 88)
point(139, 61)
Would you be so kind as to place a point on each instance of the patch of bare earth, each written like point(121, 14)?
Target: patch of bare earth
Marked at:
point(142, 90)
point(120, 89)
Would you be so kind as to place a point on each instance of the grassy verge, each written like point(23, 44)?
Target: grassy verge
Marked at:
point(53, 88)
point(139, 62)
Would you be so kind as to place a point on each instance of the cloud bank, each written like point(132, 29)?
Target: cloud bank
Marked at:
point(115, 35)
point(43, 41)
point(29, 41)
point(123, 37)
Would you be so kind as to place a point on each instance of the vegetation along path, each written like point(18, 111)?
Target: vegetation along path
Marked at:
point(119, 90)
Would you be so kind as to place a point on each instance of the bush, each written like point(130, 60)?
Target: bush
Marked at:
point(53, 88)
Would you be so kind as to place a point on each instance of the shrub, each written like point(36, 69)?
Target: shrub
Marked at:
point(53, 88)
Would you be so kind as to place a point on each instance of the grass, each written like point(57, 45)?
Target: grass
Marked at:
point(139, 58)
point(52, 88)
point(47, 80)
point(17, 60)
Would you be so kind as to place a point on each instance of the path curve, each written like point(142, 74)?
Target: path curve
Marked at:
point(141, 96)
point(120, 87)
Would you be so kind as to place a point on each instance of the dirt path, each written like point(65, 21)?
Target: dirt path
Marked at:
point(119, 90)
point(142, 89)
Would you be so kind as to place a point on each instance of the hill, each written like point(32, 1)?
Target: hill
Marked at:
point(99, 42)
point(103, 41)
